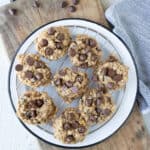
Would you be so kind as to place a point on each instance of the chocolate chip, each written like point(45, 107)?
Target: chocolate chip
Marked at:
point(106, 112)
point(92, 43)
point(12, 11)
point(75, 2)
point(117, 77)
point(75, 125)
point(88, 102)
point(30, 61)
point(98, 110)
point(60, 37)
point(92, 118)
point(110, 85)
point(69, 84)
point(59, 45)
point(39, 102)
point(102, 89)
point(82, 57)
point(79, 78)
point(85, 65)
point(87, 49)
point(70, 138)
point(72, 8)
point(39, 76)
point(64, 4)
point(49, 51)
point(43, 42)
point(99, 101)
point(66, 126)
point(81, 129)
point(105, 71)
point(51, 31)
point(39, 64)
point(58, 82)
point(30, 105)
point(62, 72)
point(29, 74)
point(19, 67)
point(31, 114)
point(72, 52)
point(36, 4)
point(111, 73)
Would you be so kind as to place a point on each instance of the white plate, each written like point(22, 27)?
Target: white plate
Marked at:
point(124, 99)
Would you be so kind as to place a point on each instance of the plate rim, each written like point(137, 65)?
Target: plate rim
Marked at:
point(10, 68)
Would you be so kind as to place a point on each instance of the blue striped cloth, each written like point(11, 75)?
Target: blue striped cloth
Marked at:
point(131, 21)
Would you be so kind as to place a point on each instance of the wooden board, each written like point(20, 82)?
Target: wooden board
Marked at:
point(14, 29)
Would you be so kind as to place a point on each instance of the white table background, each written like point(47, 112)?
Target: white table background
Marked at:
point(13, 136)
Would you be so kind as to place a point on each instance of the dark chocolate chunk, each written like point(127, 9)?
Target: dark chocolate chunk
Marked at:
point(39, 76)
point(69, 84)
point(51, 31)
point(39, 64)
point(117, 77)
point(43, 42)
point(60, 37)
point(82, 57)
point(111, 73)
point(62, 72)
point(88, 102)
point(98, 110)
point(58, 82)
point(30, 61)
point(36, 4)
point(64, 4)
point(75, 125)
point(99, 101)
point(110, 85)
point(72, 8)
point(29, 74)
point(92, 43)
point(39, 103)
point(72, 52)
point(66, 126)
point(49, 51)
point(70, 138)
point(92, 118)
point(59, 45)
point(106, 112)
point(31, 114)
point(19, 67)
point(79, 78)
point(82, 129)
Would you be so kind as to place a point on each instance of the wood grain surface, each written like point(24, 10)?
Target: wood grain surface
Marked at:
point(14, 29)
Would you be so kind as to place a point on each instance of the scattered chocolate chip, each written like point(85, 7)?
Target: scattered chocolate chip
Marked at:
point(79, 78)
point(72, 52)
point(36, 4)
point(58, 82)
point(19, 67)
point(12, 11)
point(110, 85)
point(59, 45)
point(60, 37)
point(30, 61)
point(88, 102)
point(69, 84)
point(29, 74)
point(102, 88)
point(81, 129)
point(72, 8)
point(39, 103)
point(70, 138)
point(39, 64)
point(49, 51)
point(51, 31)
point(85, 65)
point(99, 101)
point(75, 2)
point(98, 110)
point(92, 43)
point(66, 126)
point(30, 105)
point(43, 42)
point(31, 114)
point(92, 118)
point(39, 76)
point(82, 57)
point(75, 125)
point(106, 112)
point(105, 71)
point(62, 72)
point(87, 49)
point(111, 73)
point(64, 4)
point(117, 77)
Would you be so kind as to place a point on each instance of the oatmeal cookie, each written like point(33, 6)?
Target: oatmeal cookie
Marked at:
point(70, 84)
point(70, 126)
point(84, 52)
point(36, 107)
point(112, 73)
point(31, 71)
point(96, 106)
point(53, 42)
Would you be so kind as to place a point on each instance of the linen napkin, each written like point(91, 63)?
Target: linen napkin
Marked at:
point(131, 21)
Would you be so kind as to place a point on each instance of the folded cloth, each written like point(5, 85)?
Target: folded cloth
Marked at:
point(131, 21)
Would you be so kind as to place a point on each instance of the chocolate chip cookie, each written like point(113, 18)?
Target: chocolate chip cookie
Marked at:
point(70, 84)
point(112, 73)
point(36, 107)
point(96, 106)
point(84, 52)
point(31, 71)
point(53, 42)
point(70, 126)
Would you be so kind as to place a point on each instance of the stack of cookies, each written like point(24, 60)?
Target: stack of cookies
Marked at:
point(95, 104)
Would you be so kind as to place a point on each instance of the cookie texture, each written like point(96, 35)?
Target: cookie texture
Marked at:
point(53, 42)
point(84, 52)
point(70, 126)
point(70, 84)
point(36, 107)
point(31, 71)
point(96, 106)
point(112, 73)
